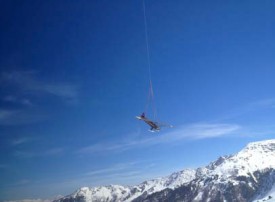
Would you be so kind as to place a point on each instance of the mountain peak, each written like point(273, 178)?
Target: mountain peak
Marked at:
point(255, 156)
point(258, 155)
point(266, 145)
point(253, 165)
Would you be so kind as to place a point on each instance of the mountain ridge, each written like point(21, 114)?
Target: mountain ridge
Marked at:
point(245, 176)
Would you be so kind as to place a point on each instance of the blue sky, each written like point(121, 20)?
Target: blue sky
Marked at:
point(74, 75)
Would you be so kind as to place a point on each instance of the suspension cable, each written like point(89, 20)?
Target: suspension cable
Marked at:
point(151, 92)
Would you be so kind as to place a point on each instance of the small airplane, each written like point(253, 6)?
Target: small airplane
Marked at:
point(155, 126)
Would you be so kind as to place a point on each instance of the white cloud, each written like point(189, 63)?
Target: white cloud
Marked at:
point(27, 81)
point(264, 103)
point(32, 154)
point(112, 169)
point(53, 152)
point(61, 90)
point(19, 141)
point(17, 100)
point(18, 117)
point(203, 131)
point(248, 108)
point(4, 166)
point(10, 98)
point(26, 102)
point(21, 182)
point(6, 114)
point(185, 132)
point(120, 173)
point(28, 89)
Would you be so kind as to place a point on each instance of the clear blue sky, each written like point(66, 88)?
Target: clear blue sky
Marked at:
point(74, 75)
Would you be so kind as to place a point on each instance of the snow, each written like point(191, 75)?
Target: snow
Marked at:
point(199, 196)
point(128, 193)
point(103, 192)
point(269, 197)
point(255, 156)
point(172, 181)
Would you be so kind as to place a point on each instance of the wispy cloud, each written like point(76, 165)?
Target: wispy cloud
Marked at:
point(27, 82)
point(186, 132)
point(26, 91)
point(3, 166)
point(17, 100)
point(264, 103)
point(53, 152)
point(20, 141)
point(117, 168)
point(6, 114)
point(248, 108)
point(21, 182)
point(32, 154)
point(19, 116)
point(66, 91)
point(118, 173)
point(203, 131)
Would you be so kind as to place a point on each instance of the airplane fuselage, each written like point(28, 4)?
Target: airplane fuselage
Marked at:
point(152, 124)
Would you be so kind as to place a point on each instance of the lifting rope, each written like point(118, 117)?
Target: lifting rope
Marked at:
point(151, 91)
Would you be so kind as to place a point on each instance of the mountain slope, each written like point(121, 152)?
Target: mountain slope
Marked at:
point(129, 193)
point(246, 176)
point(268, 197)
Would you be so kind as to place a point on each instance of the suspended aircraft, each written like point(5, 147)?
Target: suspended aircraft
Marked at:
point(155, 126)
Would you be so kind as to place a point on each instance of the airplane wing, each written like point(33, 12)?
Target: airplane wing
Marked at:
point(154, 125)
point(165, 125)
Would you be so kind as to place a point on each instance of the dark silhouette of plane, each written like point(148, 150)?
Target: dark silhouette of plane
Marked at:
point(154, 125)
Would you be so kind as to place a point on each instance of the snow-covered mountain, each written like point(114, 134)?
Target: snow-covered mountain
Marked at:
point(269, 196)
point(246, 176)
point(129, 193)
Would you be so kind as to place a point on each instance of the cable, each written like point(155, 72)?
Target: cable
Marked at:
point(151, 92)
